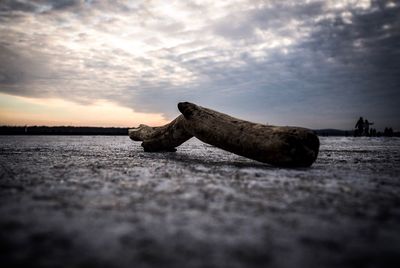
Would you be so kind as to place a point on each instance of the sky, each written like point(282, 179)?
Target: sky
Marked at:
point(316, 64)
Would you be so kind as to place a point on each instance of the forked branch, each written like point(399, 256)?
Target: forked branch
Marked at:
point(280, 146)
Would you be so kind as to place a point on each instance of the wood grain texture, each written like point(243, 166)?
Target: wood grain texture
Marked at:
point(164, 138)
point(275, 145)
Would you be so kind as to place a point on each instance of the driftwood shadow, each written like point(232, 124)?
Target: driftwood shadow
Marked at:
point(193, 160)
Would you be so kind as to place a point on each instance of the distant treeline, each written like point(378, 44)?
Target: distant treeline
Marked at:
point(333, 132)
point(112, 131)
point(350, 133)
point(62, 130)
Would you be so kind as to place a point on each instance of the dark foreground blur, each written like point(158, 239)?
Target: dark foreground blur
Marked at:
point(73, 201)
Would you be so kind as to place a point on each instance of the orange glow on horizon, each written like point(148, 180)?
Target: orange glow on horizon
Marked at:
point(56, 112)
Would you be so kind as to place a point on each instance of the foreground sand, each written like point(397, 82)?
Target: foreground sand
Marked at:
point(103, 202)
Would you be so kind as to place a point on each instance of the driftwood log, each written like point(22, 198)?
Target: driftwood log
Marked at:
point(275, 145)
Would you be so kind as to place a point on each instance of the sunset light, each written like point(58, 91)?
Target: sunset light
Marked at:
point(56, 112)
point(254, 59)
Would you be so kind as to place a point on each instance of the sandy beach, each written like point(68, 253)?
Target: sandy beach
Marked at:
point(86, 201)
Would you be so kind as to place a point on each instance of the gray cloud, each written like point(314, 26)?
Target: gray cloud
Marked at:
point(11, 5)
point(318, 64)
point(37, 6)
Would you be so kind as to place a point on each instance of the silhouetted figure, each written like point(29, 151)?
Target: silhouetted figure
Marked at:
point(359, 127)
point(366, 127)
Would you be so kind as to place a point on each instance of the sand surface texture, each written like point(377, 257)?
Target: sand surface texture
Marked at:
point(70, 201)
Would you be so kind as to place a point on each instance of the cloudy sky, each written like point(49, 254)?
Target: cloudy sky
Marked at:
point(313, 63)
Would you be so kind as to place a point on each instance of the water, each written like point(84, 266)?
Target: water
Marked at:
point(102, 202)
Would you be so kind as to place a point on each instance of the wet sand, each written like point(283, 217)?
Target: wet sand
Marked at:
point(68, 201)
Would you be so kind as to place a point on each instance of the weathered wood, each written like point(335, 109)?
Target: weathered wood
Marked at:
point(280, 146)
point(164, 138)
